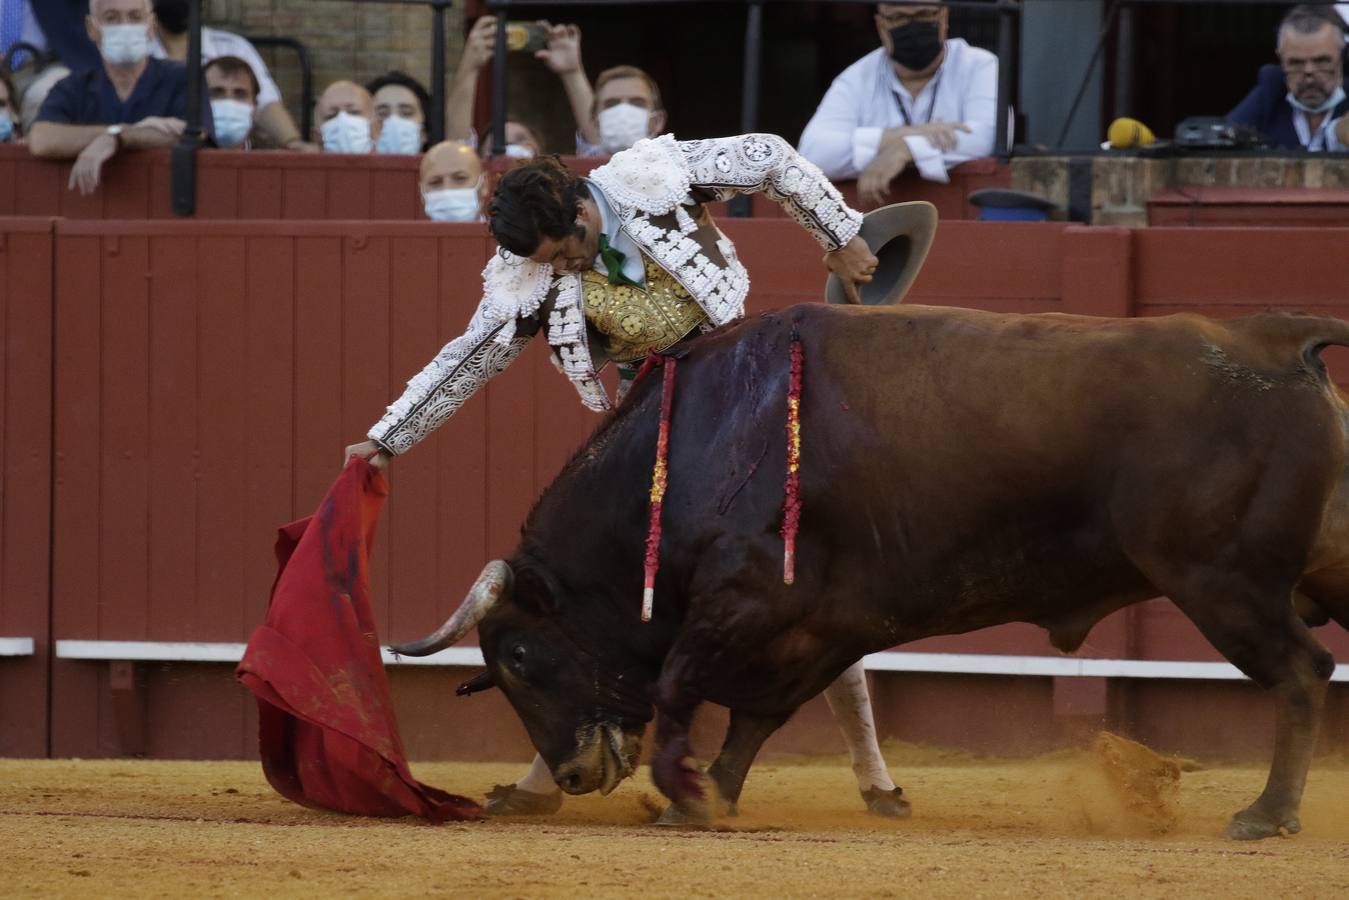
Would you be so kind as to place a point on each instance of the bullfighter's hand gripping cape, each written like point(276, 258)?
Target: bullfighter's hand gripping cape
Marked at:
point(326, 725)
point(656, 190)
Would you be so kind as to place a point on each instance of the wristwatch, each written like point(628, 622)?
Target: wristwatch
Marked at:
point(116, 132)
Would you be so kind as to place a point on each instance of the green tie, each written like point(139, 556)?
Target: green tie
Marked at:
point(613, 261)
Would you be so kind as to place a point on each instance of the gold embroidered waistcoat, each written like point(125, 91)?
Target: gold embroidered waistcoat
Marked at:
point(636, 320)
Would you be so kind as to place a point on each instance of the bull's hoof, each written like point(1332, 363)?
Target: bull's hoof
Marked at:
point(675, 817)
point(887, 804)
point(509, 800)
point(1249, 826)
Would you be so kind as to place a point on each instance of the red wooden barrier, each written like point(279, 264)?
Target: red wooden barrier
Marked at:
point(25, 478)
point(209, 373)
point(234, 184)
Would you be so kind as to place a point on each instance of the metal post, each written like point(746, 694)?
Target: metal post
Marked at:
point(183, 159)
point(436, 120)
point(1007, 60)
point(501, 8)
point(739, 207)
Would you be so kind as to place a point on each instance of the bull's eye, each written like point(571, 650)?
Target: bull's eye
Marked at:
point(518, 653)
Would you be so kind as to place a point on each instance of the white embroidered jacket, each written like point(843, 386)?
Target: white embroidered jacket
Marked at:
point(648, 188)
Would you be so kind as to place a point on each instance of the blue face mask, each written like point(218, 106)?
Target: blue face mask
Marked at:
point(6, 127)
point(1334, 100)
point(399, 135)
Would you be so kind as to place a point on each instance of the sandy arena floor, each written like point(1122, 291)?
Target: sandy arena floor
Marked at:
point(1057, 826)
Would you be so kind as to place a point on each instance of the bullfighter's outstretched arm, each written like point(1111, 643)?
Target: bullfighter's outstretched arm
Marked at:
point(754, 163)
point(513, 296)
point(451, 377)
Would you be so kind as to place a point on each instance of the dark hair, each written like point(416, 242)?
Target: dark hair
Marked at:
point(233, 65)
point(1308, 19)
point(404, 80)
point(535, 201)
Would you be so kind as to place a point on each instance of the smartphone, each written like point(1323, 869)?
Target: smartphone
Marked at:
point(525, 37)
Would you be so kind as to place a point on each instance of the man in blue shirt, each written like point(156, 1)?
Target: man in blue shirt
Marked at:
point(131, 102)
point(1301, 103)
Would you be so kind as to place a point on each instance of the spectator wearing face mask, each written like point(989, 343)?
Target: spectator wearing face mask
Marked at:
point(627, 108)
point(562, 56)
point(1300, 104)
point(452, 183)
point(920, 98)
point(131, 101)
point(522, 141)
point(9, 125)
point(170, 42)
point(344, 119)
point(401, 104)
point(233, 88)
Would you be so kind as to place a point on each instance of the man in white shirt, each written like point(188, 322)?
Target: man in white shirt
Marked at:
point(170, 42)
point(919, 98)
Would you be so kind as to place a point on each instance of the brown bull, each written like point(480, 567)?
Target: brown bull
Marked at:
point(961, 469)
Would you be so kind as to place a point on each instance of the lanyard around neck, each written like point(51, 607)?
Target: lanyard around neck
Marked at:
point(931, 106)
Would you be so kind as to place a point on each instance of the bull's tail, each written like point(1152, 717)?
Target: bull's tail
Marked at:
point(1303, 336)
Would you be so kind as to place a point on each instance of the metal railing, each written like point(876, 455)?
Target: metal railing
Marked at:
point(306, 73)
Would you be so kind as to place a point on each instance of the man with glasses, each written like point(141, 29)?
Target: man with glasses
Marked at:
point(131, 101)
point(1301, 103)
point(919, 98)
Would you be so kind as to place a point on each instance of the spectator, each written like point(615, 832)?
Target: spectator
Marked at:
point(562, 55)
point(131, 101)
point(1295, 104)
point(452, 183)
point(920, 98)
point(170, 42)
point(627, 108)
point(19, 25)
point(522, 141)
point(344, 119)
point(401, 104)
point(9, 125)
point(233, 88)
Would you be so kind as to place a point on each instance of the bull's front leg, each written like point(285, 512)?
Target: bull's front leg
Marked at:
point(673, 768)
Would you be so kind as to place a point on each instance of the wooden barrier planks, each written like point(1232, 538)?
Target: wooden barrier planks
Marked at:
point(26, 266)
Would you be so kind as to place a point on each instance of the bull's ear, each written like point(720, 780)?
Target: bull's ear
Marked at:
point(536, 589)
point(480, 682)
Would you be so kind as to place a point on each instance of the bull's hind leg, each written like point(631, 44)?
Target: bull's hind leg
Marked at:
point(1258, 631)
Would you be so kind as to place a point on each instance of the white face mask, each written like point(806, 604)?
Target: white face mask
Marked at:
point(233, 121)
point(399, 135)
point(124, 45)
point(519, 151)
point(623, 125)
point(1330, 102)
point(452, 204)
point(346, 133)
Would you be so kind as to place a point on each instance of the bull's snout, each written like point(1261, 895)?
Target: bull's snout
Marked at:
point(604, 757)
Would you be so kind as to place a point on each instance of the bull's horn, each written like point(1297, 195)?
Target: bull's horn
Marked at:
point(495, 580)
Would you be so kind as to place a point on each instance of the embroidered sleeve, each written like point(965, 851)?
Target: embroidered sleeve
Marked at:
point(432, 396)
point(765, 162)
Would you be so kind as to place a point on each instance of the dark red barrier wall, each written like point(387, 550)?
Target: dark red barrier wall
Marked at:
point(324, 186)
point(209, 373)
point(25, 478)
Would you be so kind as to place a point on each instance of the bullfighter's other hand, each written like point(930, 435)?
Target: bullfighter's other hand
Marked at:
point(370, 452)
point(854, 264)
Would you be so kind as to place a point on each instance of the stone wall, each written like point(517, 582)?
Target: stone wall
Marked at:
point(345, 38)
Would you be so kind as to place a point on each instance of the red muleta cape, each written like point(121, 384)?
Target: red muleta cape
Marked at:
point(326, 725)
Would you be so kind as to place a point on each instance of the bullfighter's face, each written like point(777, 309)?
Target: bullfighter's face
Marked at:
point(584, 711)
point(1312, 63)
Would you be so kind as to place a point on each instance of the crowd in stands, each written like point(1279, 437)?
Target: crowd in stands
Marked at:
point(923, 99)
